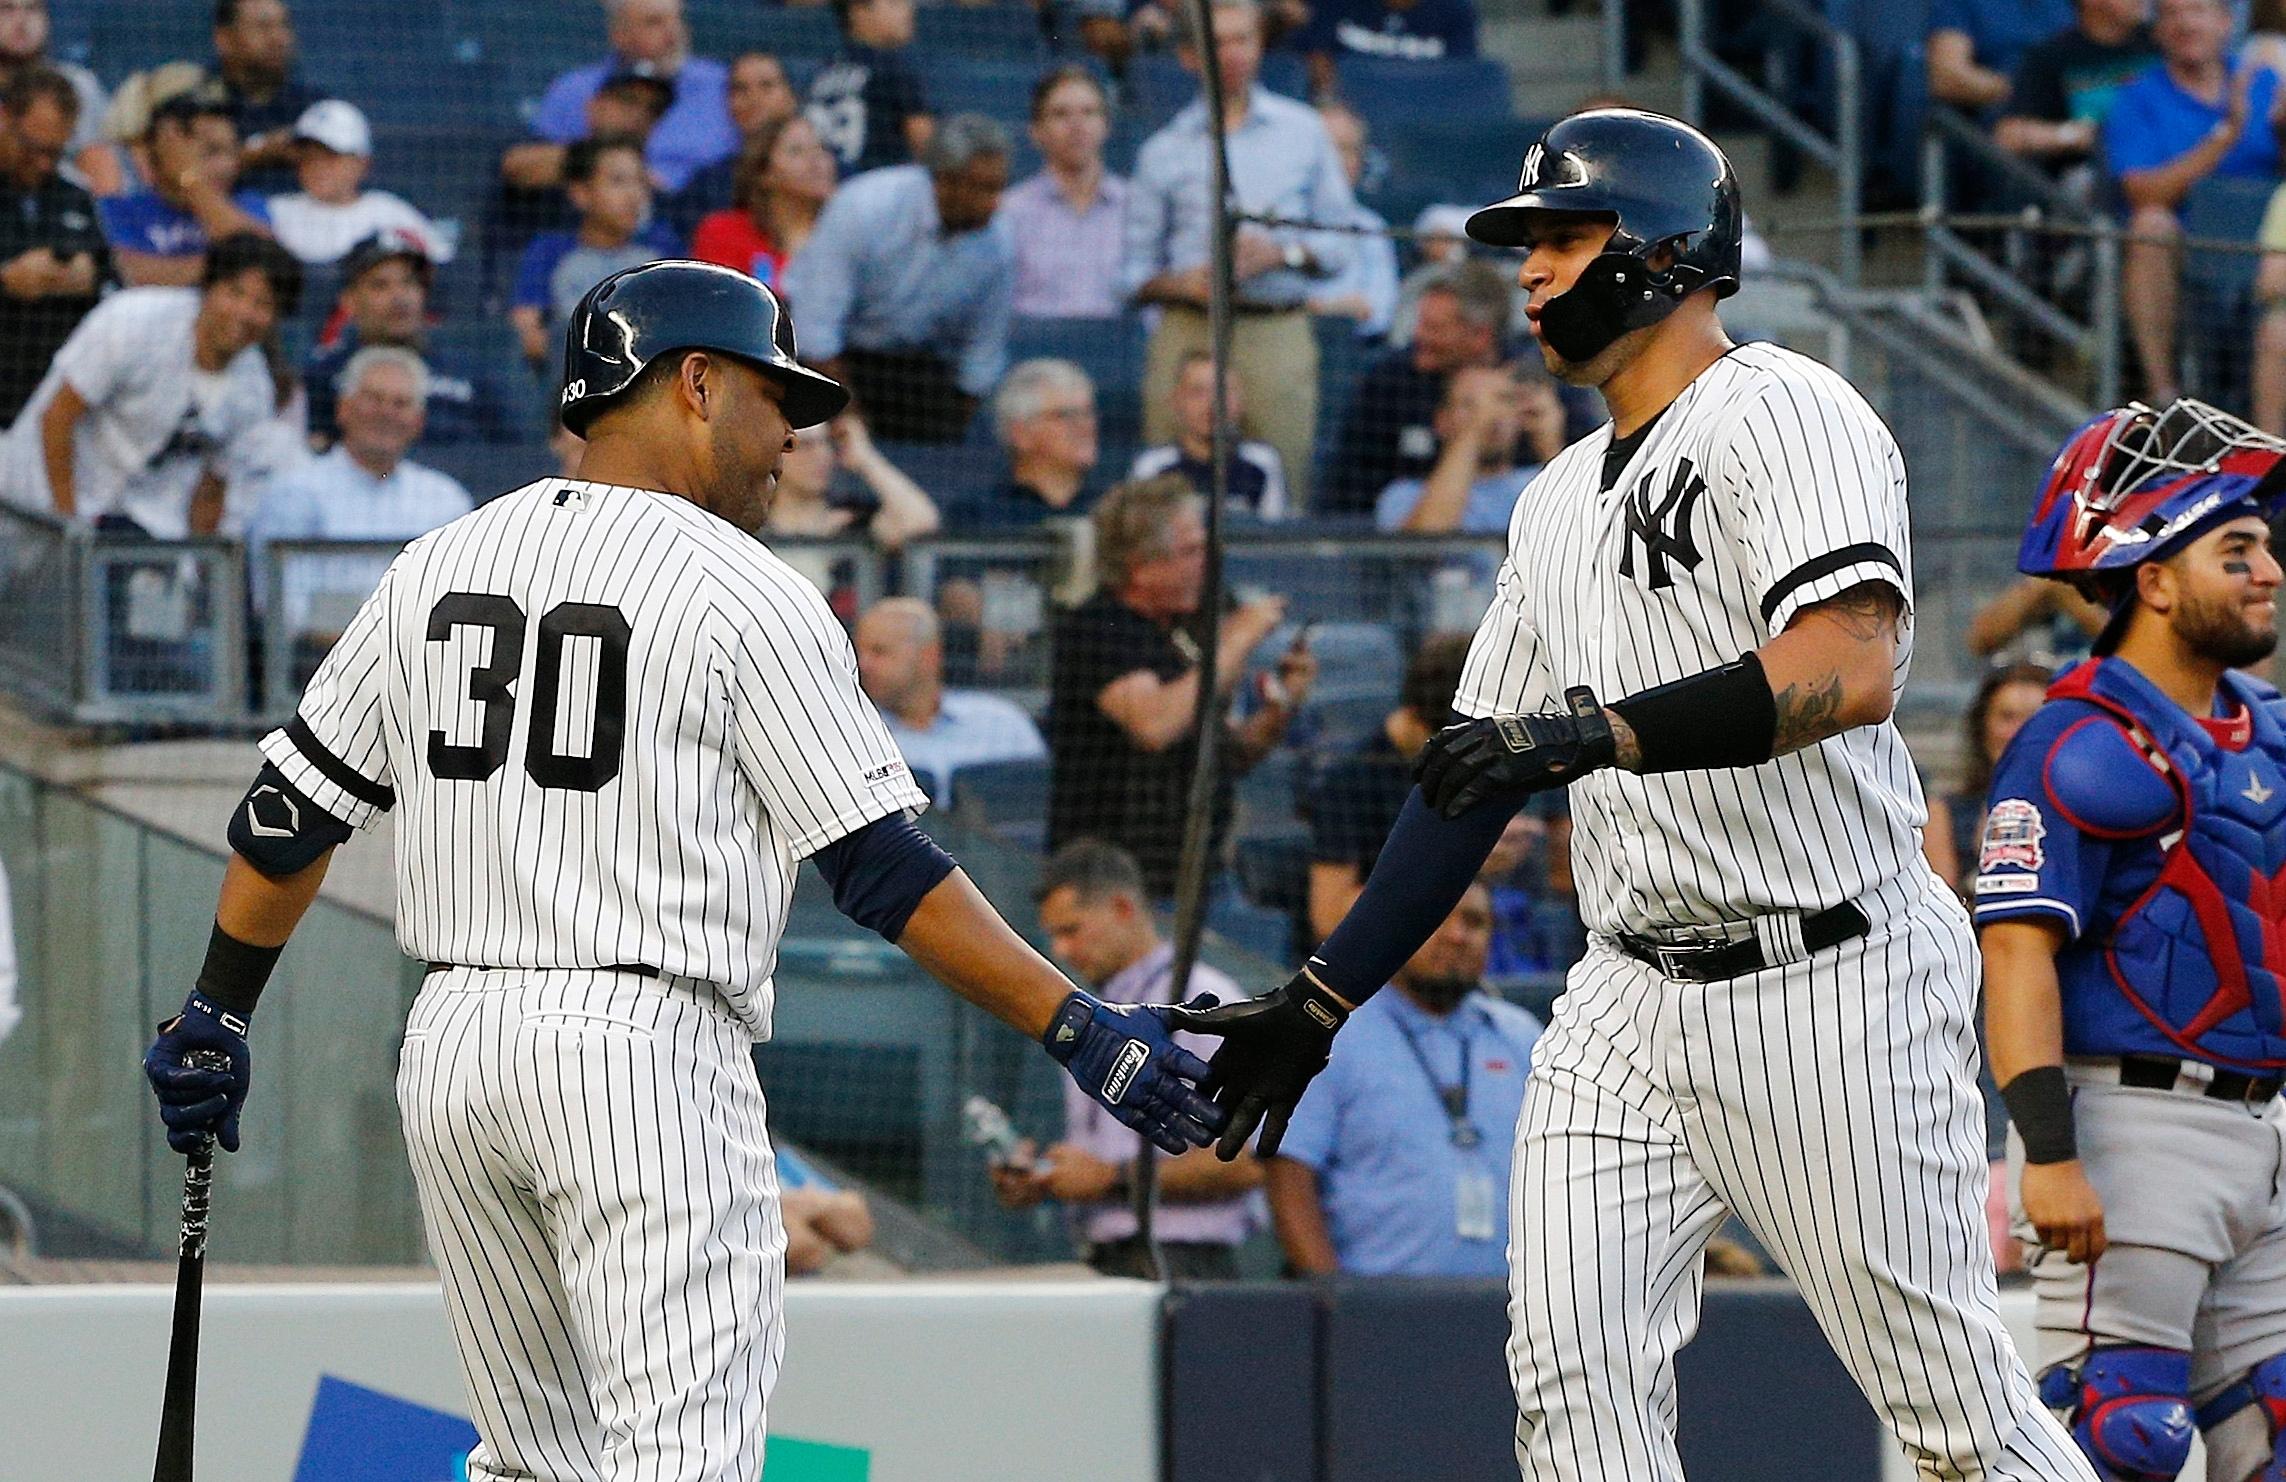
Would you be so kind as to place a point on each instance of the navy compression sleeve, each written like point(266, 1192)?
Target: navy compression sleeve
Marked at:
point(1424, 870)
point(880, 873)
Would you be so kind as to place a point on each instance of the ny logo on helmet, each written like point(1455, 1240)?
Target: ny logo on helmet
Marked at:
point(1665, 531)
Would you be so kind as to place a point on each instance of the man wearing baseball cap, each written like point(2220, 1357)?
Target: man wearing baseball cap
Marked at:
point(333, 150)
point(385, 283)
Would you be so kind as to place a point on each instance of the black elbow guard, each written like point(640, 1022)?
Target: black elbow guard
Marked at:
point(278, 830)
point(1723, 717)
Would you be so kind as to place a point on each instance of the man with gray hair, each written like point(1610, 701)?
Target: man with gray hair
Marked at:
point(364, 489)
point(1123, 695)
point(904, 286)
point(901, 663)
point(1044, 415)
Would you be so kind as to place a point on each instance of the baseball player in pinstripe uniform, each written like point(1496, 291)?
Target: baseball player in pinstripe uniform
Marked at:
point(611, 725)
point(1774, 1017)
point(2131, 898)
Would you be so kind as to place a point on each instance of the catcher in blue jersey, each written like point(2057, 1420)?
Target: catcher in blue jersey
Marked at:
point(2131, 901)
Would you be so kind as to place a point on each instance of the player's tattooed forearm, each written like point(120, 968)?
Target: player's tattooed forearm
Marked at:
point(1865, 612)
point(1627, 752)
point(1808, 713)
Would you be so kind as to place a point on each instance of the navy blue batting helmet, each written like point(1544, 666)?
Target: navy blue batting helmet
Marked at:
point(1662, 183)
point(641, 313)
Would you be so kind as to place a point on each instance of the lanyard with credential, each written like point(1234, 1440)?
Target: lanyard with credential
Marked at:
point(1453, 1098)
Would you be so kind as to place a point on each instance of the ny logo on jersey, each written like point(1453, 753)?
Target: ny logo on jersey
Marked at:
point(1666, 530)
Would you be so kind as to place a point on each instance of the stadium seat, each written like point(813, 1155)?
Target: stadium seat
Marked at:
point(487, 469)
point(997, 87)
point(949, 473)
point(1009, 799)
point(1111, 352)
point(1265, 933)
point(1274, 869)
point(968, 34)
point(1459, 160)
point(783, 30)
point(1387, 91)
point(1342, 358)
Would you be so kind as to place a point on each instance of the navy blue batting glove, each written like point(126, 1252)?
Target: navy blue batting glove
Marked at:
point(1124, 1056)
point(199, 1104)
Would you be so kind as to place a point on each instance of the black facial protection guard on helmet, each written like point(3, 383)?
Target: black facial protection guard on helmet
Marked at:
point(1662, 183)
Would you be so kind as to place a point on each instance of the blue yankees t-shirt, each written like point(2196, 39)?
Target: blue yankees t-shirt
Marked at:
point(148, 223)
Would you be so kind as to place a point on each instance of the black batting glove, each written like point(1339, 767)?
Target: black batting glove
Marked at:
point(1507, 758)
point(1271, 1047)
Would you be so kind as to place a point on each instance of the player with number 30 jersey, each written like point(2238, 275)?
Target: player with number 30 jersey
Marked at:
point(611, 725)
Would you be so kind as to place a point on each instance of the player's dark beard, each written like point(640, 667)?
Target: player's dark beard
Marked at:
point(2219, 630)
point(1440, 995)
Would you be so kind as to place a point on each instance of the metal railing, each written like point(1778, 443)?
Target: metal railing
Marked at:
point(2012, 282)
point(102, 631)
point(1841, 152)
point(118, 630)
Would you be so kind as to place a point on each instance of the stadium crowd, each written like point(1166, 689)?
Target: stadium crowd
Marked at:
point(242, 296)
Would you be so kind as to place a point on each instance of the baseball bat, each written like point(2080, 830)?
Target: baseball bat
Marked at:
point(178, 1413)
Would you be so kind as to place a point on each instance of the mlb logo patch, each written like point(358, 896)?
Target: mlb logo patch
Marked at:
point(2012, 835)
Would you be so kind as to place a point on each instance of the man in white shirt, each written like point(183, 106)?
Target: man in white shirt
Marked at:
point(140, 422)
point(364, 489)
point(901, 663)
point(333, 212)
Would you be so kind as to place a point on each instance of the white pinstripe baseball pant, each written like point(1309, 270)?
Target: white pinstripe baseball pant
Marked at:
point(602, 1203)
point(1831, 1104)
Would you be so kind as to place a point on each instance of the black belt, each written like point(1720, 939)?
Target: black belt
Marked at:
point(1714, 961)
point(2161, 1072)
point(639, 969)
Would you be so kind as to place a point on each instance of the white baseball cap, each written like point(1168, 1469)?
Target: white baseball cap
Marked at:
point(1442, 221)
point(338, 125)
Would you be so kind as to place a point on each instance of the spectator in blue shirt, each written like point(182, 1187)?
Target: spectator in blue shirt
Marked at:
point(1396, 1161)
point(904, 287)
point(1974, 46)
point(613, 198)
point(1282, 164)
point(648, 39)
point(159, 234)
point(2199, 113)
point(867, 104)
point(1398, 30)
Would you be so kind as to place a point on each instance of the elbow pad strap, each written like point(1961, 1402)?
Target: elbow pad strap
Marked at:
point(1717, 718)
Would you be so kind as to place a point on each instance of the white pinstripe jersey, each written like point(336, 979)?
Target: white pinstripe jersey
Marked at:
point(1767, 485)
point(612, 725)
